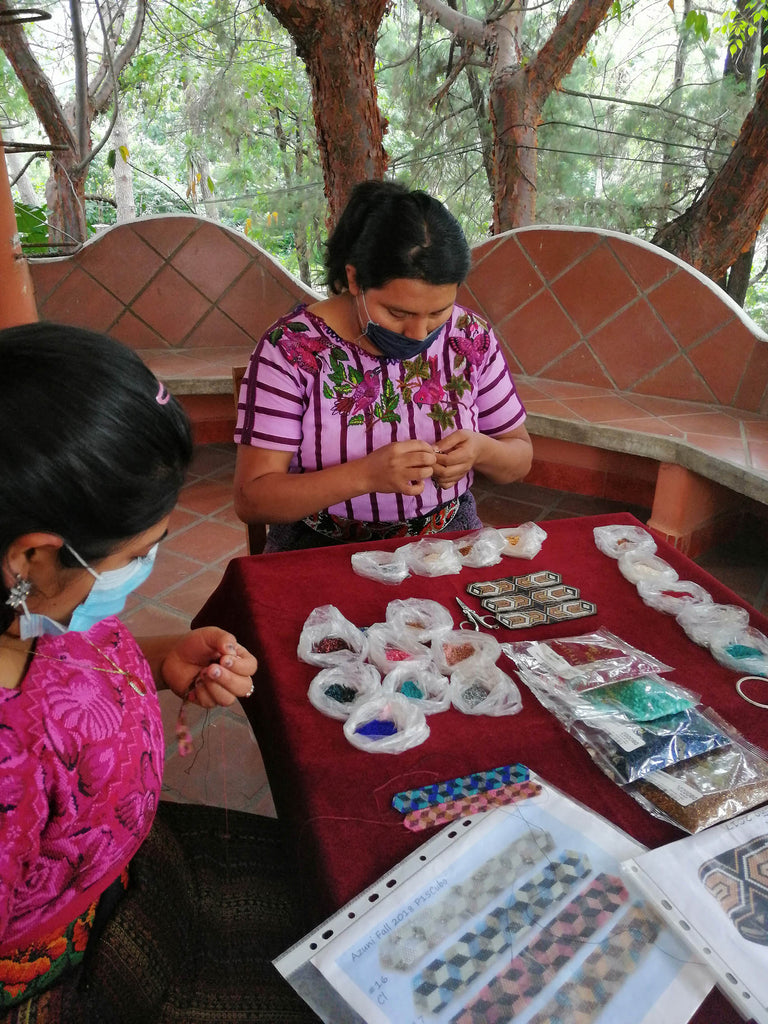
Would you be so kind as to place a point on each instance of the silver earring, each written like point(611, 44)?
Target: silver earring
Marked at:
point(19, 592)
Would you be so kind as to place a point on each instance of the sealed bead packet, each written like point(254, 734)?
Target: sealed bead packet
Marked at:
point(388, 646)
point(419, 617)
point(478, 687)
point(421, 682)
point(328, 638)
point(386, 724)
point(451, 649)
point(642, 699)
point(705, 790)
point(618, 540)
point(583, 662)
point(627, 751)
point(338, 690)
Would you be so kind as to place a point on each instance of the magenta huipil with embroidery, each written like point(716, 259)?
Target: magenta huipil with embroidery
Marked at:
point(308, 391)
point(82, 761)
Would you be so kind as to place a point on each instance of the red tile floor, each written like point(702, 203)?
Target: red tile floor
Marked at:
point(226, 769)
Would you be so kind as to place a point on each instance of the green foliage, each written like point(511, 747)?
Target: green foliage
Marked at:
point(32, 226)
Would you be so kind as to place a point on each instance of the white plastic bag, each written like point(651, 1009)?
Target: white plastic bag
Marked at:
point(641, 565)
point(432, 556)
point(746, 652)
point(388, 646)
point(617, 540)
point(713, 624)
point(452, 649)
point(522, 541)
point(672, 597)
point(382, 566)
point(421, 682)
point(481, 547)
point(337, 691)
point(386, 710)
point(480, 688)
point(419, 618)
point(327, 638)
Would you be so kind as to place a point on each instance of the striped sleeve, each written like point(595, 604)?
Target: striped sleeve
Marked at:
point(499, 407)
point(271, 401)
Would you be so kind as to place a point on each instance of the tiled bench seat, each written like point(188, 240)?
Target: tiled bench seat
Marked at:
point(643, 381)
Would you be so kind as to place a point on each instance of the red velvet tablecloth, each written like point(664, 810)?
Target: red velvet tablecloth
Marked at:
point(335, 799)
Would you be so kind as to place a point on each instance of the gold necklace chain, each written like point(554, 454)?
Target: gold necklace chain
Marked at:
point(133, 680)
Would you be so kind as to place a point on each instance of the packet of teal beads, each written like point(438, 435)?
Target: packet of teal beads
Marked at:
point(745, 652)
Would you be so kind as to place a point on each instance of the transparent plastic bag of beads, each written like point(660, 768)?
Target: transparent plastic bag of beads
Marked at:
point(338, 690)
point(703, 791)
point(389, 646)
point(419, 618)
point(382, 566)
point(708, 624)
point(375, 716)
point(626, 751)
point(617, 540)
point(582, 662)
point(642, 699)
point(452, 649)
point(432, 556)
point(642, 565)
point(524, 541)
point(746, 652)
point(328, 638)
point(479, 687)
point(481, 547)
point(421, 682)
point(672, 598)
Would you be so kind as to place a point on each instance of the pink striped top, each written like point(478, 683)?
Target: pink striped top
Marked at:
point(308, 391)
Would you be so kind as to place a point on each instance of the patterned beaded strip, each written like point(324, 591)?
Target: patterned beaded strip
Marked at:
point(738, 880)
point(448, 976)
point(439, 814)
point(427, 928)
point(603, 973)
point(538, 964)
point(465, 785)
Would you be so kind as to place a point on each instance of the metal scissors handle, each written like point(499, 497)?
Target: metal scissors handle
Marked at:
point(473, 620)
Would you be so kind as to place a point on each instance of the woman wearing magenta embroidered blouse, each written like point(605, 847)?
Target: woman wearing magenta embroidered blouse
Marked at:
point(93, 452)
point(366, 414)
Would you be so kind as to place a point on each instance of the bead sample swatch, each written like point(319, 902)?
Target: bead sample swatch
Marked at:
point(464, 785)
point(738, 880)
point(439, 814)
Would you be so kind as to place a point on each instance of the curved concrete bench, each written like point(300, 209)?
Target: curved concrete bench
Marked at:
point(643, 381)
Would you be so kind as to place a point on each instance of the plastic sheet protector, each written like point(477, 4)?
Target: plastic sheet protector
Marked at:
point(713, 889)
point(517, 914)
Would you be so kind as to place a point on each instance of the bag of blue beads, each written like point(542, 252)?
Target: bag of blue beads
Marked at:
point(338, 690)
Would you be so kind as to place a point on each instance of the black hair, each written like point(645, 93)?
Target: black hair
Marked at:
point(387, 232)
point(92, 448)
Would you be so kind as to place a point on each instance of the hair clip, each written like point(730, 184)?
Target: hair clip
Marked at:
point(163, 395)
point(18, 593)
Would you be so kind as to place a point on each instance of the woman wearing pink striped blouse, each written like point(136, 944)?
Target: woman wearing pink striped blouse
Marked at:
point(366, 414)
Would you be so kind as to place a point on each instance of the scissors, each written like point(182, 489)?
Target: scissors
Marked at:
point(472, 620)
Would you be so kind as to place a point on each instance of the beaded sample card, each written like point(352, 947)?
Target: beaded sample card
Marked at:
point(523, 917)
point(535, 599)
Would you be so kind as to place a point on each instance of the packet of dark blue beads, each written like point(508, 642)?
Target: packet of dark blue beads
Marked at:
point(338, 690)
point(386, 724)
point(328, 638)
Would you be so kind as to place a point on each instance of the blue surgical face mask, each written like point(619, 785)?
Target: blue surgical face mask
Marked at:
point(393, 345)
point(107, 597)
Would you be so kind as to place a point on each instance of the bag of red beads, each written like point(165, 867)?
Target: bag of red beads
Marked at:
point(327, 638)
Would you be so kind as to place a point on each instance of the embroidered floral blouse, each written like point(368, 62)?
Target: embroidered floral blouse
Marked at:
point(328, 401)
point(81, 762)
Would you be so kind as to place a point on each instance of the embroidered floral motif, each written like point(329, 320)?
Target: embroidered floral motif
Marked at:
point(299, 350)
point(473, 343)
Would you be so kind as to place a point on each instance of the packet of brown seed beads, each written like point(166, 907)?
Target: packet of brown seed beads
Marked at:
point(708, 789)
point(327, 638)
point(452, 649)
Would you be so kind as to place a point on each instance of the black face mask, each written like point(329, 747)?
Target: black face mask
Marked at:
point(393, 345)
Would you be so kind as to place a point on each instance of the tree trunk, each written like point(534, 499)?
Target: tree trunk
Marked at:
point(123, 173)
point(22, 183)
point(722, 223)
point(337, 42)
point(65, 196)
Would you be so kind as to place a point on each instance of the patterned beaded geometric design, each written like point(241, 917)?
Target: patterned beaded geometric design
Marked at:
point(738, 880)
point(538, 964)
point(427, 928)
point(535, 599)
point(440, 814)
point(464, 785)
point(464, 960)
